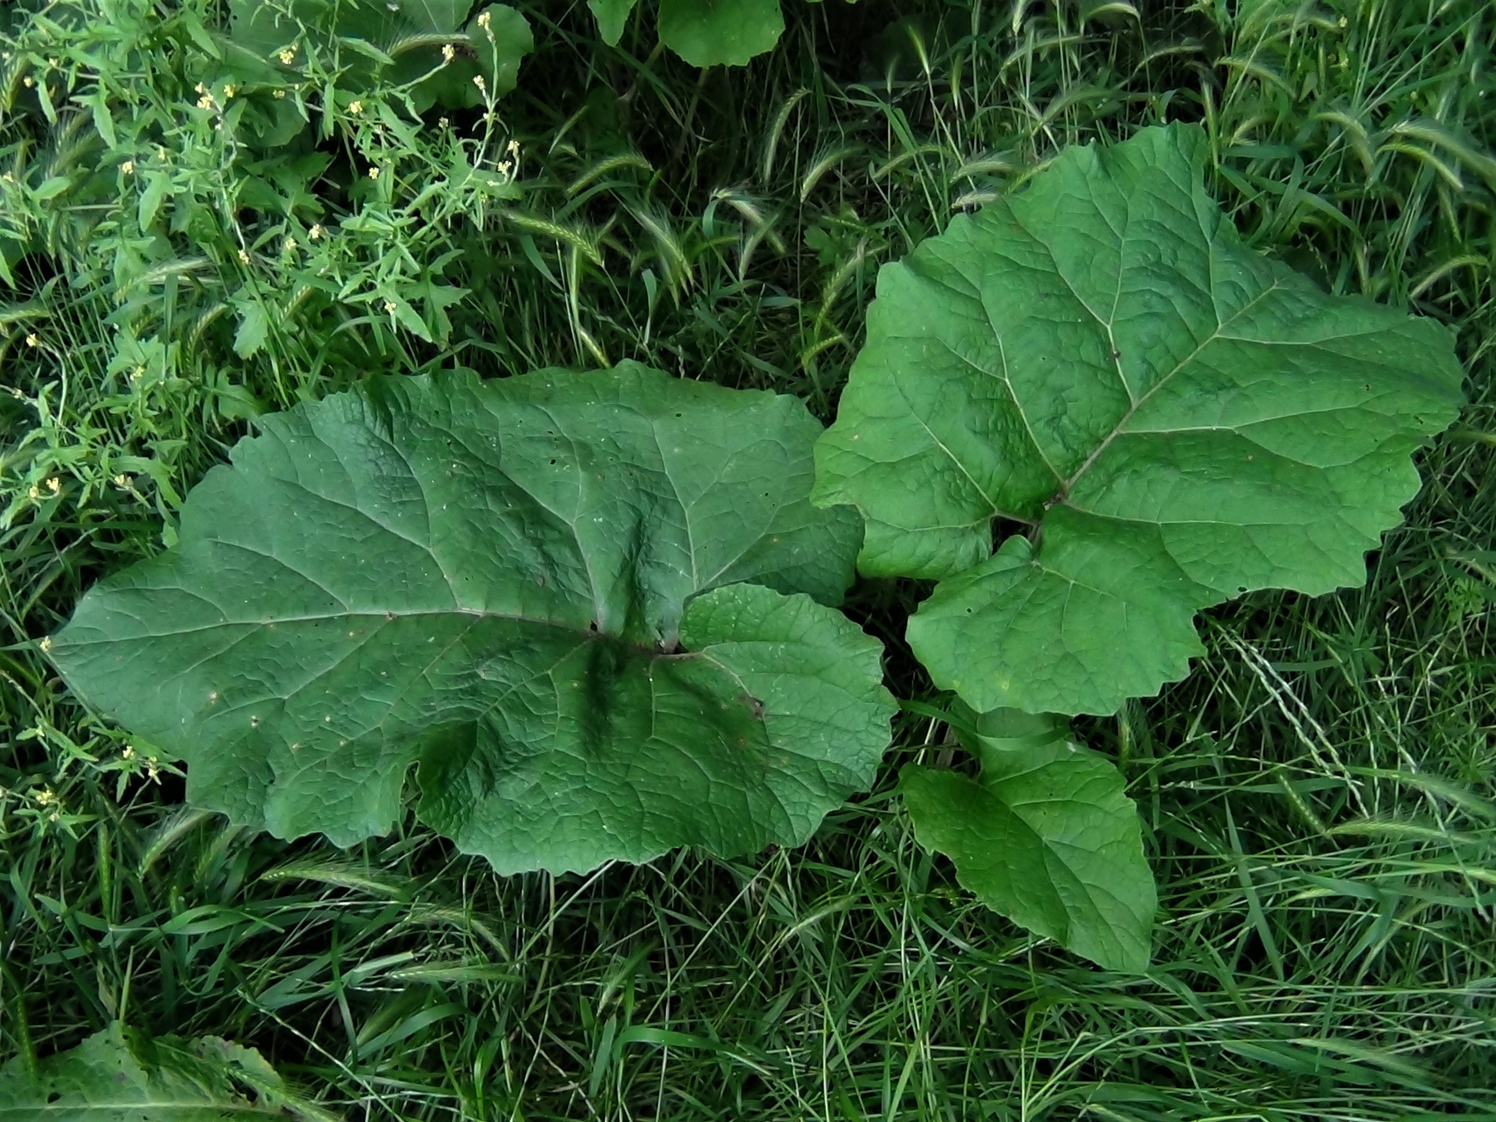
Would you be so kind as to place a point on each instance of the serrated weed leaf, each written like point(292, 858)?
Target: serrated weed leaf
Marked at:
point(1045, 836)
point(1166, 417)
point(122, 1076)
point(534, 587)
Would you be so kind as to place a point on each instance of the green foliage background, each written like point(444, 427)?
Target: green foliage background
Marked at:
point(1317, 795)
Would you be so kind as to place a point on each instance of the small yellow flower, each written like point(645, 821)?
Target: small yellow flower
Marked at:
point(229, 91)
point(480, 83)
point(449, 52)
point(389, 306)
point(288, 246)
point(33, 341)
point(47, 797)
point(45, 644)
point(205, 102)
point(54, 485)
point(28, 81)
point(161, 153)
point(34, 493)
point(279, 95)
point(373, 173)
point(504, 166)
point(128, 167)
point(513, 147)
point(152, 769)
point(316, 231)
point(355, 107)
point(137, 374)
point(199, 89)
point(243, 257)
point(129, 752)
point(483, 19)
point(287, 56)
point(122, 481)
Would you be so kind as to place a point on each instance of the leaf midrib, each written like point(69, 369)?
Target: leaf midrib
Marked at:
point(382, 615)
point(137, 1104)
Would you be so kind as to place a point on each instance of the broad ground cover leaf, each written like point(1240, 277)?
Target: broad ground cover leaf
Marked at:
point(119, 1075)
point(1167, 417)
point(703, 32)
point(1045, 836)
point(399, 41)
point(533, 589)
point(497, 39)
point(720, 32)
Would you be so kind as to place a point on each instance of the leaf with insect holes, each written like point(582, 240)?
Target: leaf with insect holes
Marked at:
point(1044, 835)
point(1173, 419)
point(119, 1075)
point(534, 589)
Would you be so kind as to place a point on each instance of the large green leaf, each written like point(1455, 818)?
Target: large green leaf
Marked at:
point(1169, 417)
point(1045, 836)
point(123, 1076)
point(703, 32)
point(406, 42)
point(496, 39)
point(530, 587)
point(720, 32)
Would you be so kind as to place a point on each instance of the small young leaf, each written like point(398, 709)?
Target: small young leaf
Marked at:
point(198, 33)
point(532, 587)
point(157, 184)
point(51, 187)
point(253, 325)
point(1176, 418)
point(1045, 836)
point(406, 316)
point(611, 15)
point(98, 106)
